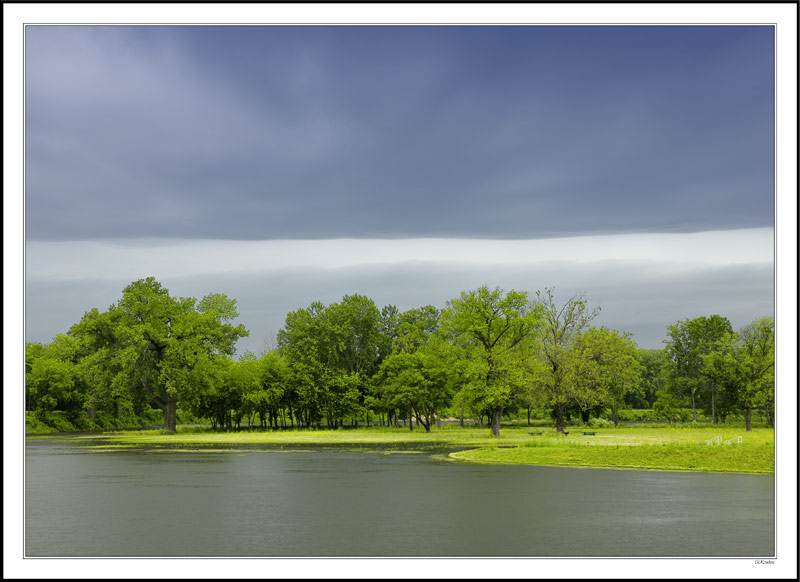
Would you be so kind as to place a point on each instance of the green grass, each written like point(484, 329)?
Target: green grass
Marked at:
point(670, 448)
point(655, 447)
point(740, 458)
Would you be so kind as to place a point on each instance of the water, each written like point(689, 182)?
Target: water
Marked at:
point(352, 504)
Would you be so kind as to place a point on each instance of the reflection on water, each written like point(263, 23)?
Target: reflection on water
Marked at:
point(338, 503)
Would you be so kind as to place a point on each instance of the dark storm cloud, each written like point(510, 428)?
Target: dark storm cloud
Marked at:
point(317, 132)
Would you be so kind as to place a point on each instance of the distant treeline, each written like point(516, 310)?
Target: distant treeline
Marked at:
point(485, 354)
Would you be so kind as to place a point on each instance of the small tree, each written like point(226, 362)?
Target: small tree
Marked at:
point(667, 407)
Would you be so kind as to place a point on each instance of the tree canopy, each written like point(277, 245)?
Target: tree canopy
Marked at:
point(161, 345)
point(487, 352)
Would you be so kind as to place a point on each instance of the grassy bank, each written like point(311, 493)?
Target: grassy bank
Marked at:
point(669, 448)
point(739, 458)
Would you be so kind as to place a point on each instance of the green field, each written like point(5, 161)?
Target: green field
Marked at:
point(667, 448)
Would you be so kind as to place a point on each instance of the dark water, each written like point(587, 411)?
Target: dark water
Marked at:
point(335, 503)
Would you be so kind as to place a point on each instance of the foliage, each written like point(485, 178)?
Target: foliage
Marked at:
point(487, 354)
point(601, 423)
point(653, 378)
point(668, 407)
point(743, 364)
point(558, 329)
point(155, 346)
point(688, 341)
point(493, 326)
point(604, 369)
point(61, 421)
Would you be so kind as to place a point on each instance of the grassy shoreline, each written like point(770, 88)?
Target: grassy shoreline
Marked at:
point(663, 448)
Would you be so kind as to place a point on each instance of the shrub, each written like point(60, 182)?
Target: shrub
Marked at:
point(601, 423)
point(59, 422)
point(636, 415)
point(34, 424)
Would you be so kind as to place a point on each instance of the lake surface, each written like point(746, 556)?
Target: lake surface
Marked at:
point(366, 504)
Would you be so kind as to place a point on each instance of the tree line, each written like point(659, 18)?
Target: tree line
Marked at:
point(485, 353)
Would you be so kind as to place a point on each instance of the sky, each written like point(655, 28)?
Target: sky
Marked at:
point(282, 165)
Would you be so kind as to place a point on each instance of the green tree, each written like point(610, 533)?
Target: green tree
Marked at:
point(744, 362)
point(688, 342)
point(604, 369)
point(416, 376)
point(653, 378)
point(668, 407)
point(493, 324)
point(303, 341)
point(387, 331)
point(534, 376)
point(52, 377)
point(558, 328)
point(164, 345)
point(332, 352)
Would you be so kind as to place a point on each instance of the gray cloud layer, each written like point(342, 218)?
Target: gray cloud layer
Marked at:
point(639, 296)
point(317, 132)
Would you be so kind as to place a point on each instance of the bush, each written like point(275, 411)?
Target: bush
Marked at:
point(636, 415)
point(78, 420)
point(59, 422)
point(601, 423)
point(34, 424)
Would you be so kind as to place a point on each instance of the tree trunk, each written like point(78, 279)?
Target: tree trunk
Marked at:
point(747, 419)
point(529, 416)
point(615, 415)
point(713, 405)
point(497, 414)
point(170, 409)
point(694, 408)
point(560, 422)
point(461, 421)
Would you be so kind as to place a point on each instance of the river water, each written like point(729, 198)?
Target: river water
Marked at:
point(367, 504)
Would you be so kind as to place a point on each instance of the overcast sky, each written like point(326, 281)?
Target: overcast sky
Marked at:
point(283, 165)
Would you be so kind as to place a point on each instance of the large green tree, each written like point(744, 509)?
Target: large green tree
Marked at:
point(416, 376)
point(163, 345)
point(558, 328)
point(604, 369)
point(493, 324)
point(332, 352)
point(744, 363)
point(687, 342)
